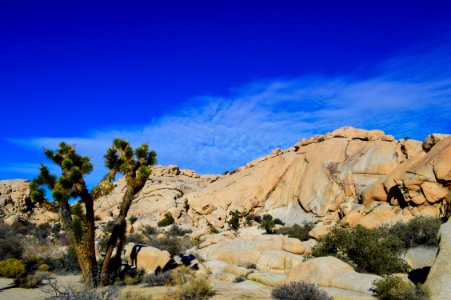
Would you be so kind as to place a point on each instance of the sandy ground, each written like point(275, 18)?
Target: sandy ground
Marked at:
point(9, 292)
point(223, 290)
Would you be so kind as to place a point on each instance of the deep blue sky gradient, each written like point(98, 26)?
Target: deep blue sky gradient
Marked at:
point(68, 68)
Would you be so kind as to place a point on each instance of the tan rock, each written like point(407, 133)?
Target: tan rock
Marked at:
point(320, 230)
point(353, 218)
point(150, 258)
point(247, 250)
point(439, 278)
point(267, 278)
point(332, 272)
point(420, 256)
point(278, 261)
point(237, 270)
point(309, 246)
point(293, 245)
point(433, 191)
point(378, 215)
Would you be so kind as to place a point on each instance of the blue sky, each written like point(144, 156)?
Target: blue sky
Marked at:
point(211, 85)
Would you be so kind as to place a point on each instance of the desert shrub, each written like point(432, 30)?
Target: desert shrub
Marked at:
point(30, 281)
point(109, 226)
point(67, 264)
point(197, 288)
point(43, 267)
point(168, 220)
point(279, 221)
point(250, 266)
point(133, 276)
point(249, 219)
point(10, 245)
point(176, 230)
point(41, 231)
point(171, 244)
point(189, 285)
point(134, 238)
point(369, 250)
point(268, 224)
point(299, 291)
point(395, 288)
point(132, 219)
point(181, 275)
point(214, 230)
point(56, 228)
point(239, 279)
point(234, 220)
point(11, 268)
point(160, 279)
point(258, 219)
point(418, 231)
point(150, 230)
point(297, 231)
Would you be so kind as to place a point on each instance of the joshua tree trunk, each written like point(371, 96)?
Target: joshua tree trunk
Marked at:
point(85, 256)
point(111, 264)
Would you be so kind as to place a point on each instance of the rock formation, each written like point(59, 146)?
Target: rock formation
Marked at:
point(439, 278)
point(358, 176)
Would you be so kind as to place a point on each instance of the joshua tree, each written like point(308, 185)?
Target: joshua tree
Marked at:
point(70, 185)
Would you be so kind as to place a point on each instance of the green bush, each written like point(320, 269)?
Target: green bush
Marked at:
point(168, 220)
point(369, 250)
point(67, 264)
point(10, 244)
point(173, 245)
point(297, 231)
point(249, 218)
point(11, 268)
point(395, 288)
point(279, 222)
point(30, 281)
point(175, 230)
point(234, 221)
point(268, 224)
point(189, 285)
point(418, 231)
point(160, 279)
point(134, 238)
point(299, 291)
point(258, 219)
point(132, 219)
point(133, 276)
point(150, 230)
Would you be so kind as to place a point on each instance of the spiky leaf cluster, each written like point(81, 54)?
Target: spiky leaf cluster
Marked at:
point(70, 184)
point(121, 158)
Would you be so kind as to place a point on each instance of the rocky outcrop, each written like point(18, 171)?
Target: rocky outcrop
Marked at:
point(16, 206)
point(274, 253)
point(420, 183)
point(439, 278)
point(333, 273)
point(162, 193)
point(328, 176)
point(358, 176)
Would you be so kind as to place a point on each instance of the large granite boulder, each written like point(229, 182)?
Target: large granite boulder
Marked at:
point(439, 278)
point(332, 272)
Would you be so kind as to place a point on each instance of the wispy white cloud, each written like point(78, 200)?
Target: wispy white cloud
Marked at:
point(213, 134)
